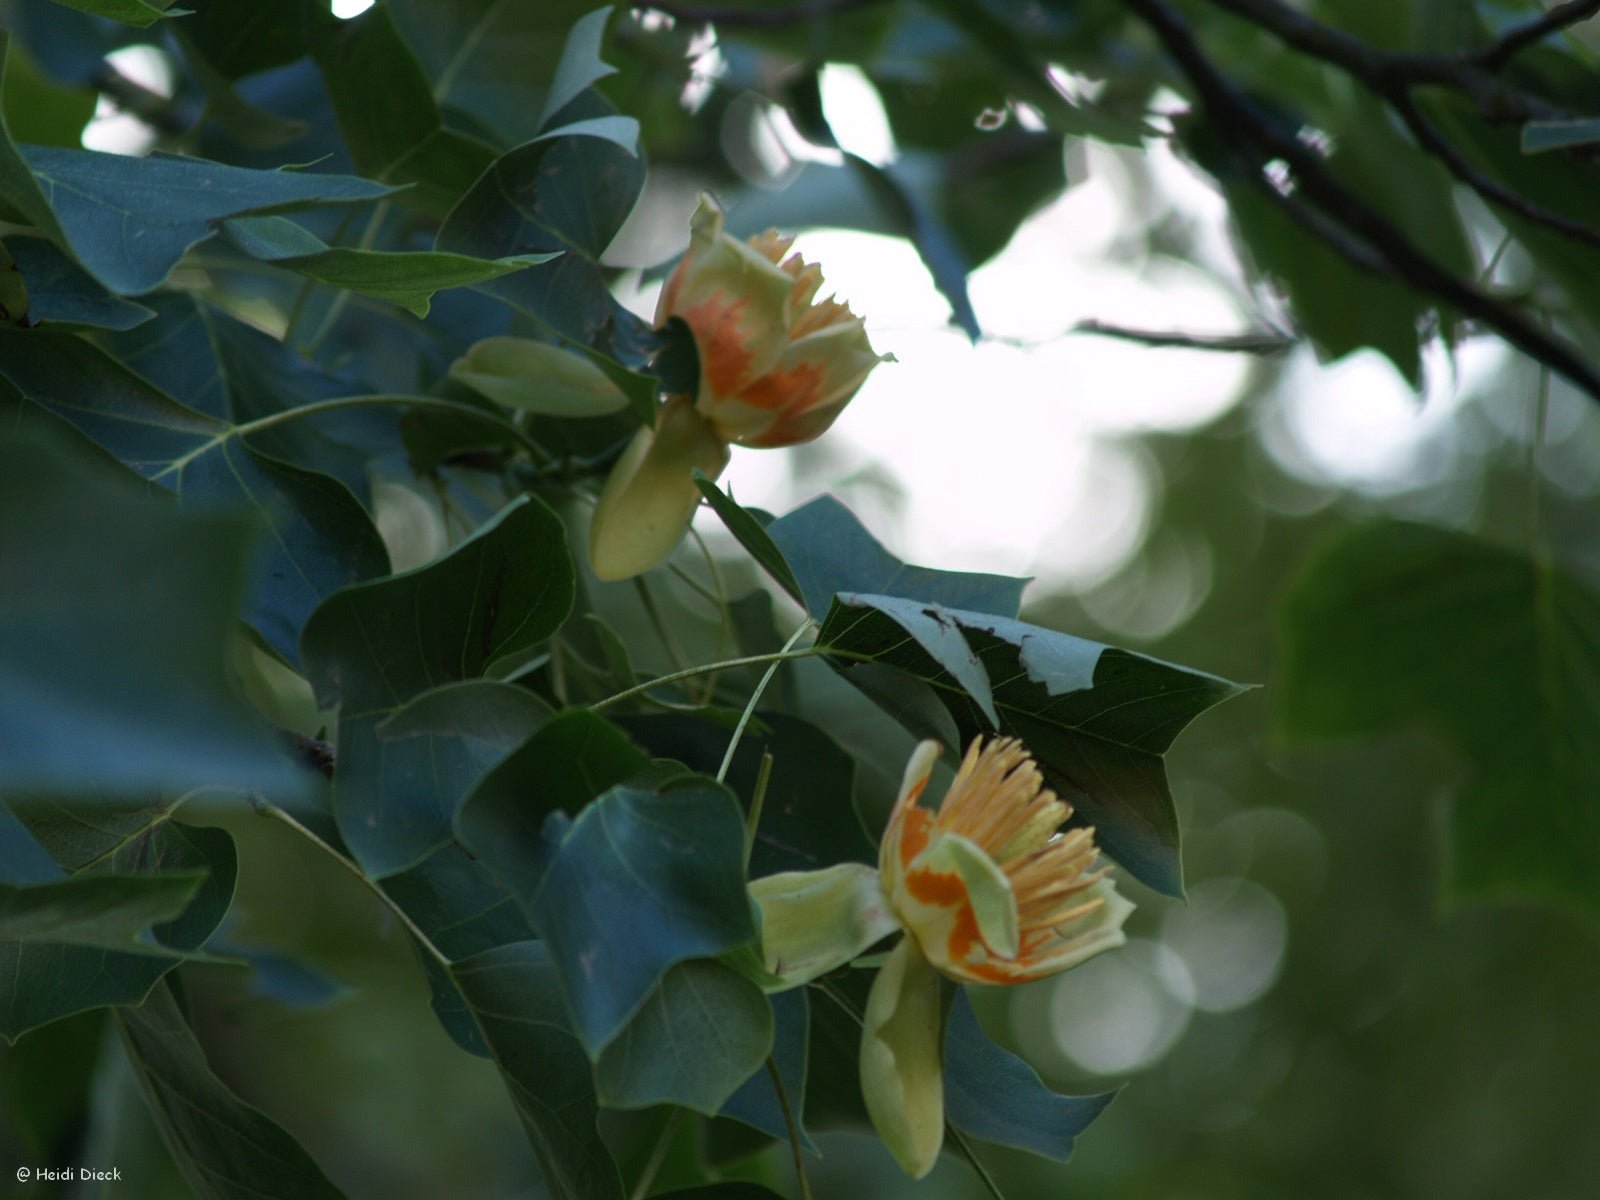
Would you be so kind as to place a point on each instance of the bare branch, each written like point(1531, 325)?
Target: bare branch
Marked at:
point(1562, 16)
point(1266, 342)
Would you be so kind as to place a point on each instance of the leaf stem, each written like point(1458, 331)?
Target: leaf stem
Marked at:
point(272, 810)
point(755, 698)
point(754, 660)
point(342, 296)
point(333, 404)
point(792, 1126)
point(1541, 412)
point(658, 623)
point(658, 1155)
point(757, 799)
point(971, 1155)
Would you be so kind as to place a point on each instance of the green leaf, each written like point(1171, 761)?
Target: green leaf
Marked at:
point(321, 537)
point(402, 138)
point(579, 65)
point(703, 1032)
point(830, 551)
point(638, 882)
point(516, 1002)
point(130, 12)
point(122, 690)
point(499, 715)
point(63, 293)
point(992, 1094)
point(1096, 718)
point(520, 373)
point(129, 220)
point(1396, 624)
point(243, 37)
point(404, 277)
point(227, 1149)
point(375, 646)
point(752, 534)
point(1540, 136)
point(563, 766)
point(104, 911)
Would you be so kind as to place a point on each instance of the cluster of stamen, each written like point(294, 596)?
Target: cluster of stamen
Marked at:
point(998, 801)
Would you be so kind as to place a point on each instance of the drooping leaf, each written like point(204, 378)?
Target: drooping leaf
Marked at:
point(1096, 718)
point(994, 1095)
point(702, 1033)
point(373, 647)
point(637, 882)
point(226, 1148)
point(1396, 624)
point(516, 1002)
point(321, 539)
point(1541, 136)
point(753, 536)
point(115, 689)
point(408, 278)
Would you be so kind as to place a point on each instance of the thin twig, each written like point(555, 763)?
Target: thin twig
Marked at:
point(971, 1155)
point(272, 810)
point(753, 660)
point(1562, 16)
point(758, 799)
point(1386, 248)
point(755, 698)
point(658, 1155)
point(1435, 143)
point(1239, 343)
point(791, 1125)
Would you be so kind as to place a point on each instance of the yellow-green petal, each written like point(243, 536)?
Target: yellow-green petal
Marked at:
point(537, 377)
point(902, 1072)
point(650, 496)
point(815, 921)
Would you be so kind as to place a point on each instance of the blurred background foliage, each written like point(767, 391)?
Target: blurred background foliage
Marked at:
point(1383, 981)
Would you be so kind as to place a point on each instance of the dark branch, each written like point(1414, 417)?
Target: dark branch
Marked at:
point(1562, 16)
point(1264, 343)
point(733, 16)
point(1386, 70)
point(1259, 141)
point(1435, 143)
point(1391, 76)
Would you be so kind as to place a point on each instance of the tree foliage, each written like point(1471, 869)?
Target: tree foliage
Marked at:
point(366, 257)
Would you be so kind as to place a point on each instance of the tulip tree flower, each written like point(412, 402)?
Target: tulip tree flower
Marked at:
point(776, 367)
point(987, 889)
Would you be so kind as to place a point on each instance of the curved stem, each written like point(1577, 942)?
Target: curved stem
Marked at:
point(792, 1126)
point(335, 403)
point(755, 698)
point(754, 660)
point(272, 810)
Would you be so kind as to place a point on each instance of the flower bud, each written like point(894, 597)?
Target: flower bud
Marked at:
point(776, 365)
